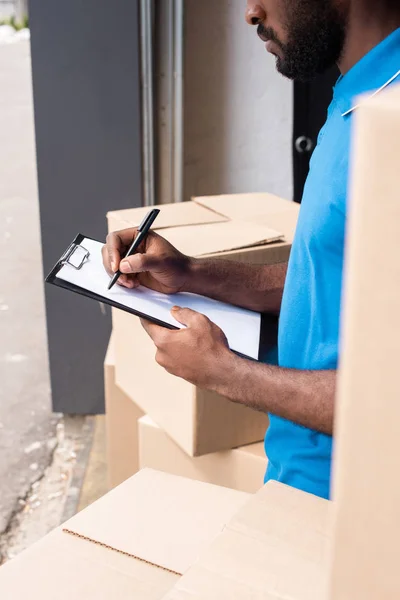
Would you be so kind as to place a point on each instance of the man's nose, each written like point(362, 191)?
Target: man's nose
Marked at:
point(255, 13)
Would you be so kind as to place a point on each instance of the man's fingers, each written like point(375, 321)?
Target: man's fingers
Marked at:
point(157, 333)
point(128, 281)
point(114, 248)
point(117, 243)
point(123, 238)
point(106, 260)
point(138, 263)
point(187, 316)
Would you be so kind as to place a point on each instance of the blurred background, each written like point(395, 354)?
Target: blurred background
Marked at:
point(111, 105)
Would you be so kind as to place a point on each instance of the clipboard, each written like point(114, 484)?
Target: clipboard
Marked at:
point(80, 270)
point(67, 258)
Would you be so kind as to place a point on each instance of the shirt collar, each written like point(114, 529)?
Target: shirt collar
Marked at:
point(370, 73)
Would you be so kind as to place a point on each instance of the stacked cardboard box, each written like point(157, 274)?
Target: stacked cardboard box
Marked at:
point(241, 468)
point(366, 478)
point(191, 422)
point(141, 538)
point(134, 542)
point(122, 416)
point(134, 441)
point(276, 547)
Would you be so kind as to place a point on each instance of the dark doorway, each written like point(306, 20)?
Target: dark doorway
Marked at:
point(311, 101)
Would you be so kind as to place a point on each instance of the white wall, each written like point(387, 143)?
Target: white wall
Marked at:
point(7, 8)
point(238, 110)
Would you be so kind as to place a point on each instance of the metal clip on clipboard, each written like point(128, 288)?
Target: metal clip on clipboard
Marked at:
point(70, 252)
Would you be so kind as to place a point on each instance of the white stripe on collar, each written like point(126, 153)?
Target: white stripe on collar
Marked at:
point(389, 81)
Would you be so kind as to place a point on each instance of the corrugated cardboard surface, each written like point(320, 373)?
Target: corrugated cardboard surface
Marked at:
point(169, 400)
point(63, 567)
point(176, 215)
point(195, 240)
point(366, 482)
point(199, 422)
point(197, 230)
point(268, 215)
point(160, 518)
point(261, 209)
point(122, 416)
point(275, 548)
point(132, 543)
point(257, 205)
point(241, 469)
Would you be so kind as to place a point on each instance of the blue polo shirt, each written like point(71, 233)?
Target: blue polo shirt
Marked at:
point(310, 314)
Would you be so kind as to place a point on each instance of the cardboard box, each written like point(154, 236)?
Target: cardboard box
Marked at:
point(277, 547)
point(208, 226)
point(262, 208)
point(241, 469)
point(367, 464)
point(122, 416)
point(199, 422)
point(134, 542)
point(64, 567)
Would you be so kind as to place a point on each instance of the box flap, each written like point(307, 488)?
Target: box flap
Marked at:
point(171, 215)
point(162, 519)
point(245, 206)
point(285, 221)
point(275, 548)
point(220, 237)
point(63, 567)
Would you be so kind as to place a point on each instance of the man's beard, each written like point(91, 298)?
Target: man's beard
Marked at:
point(316, 34)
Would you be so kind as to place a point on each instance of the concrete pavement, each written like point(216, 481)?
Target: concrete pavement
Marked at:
point(27, 427)
point(43, 457)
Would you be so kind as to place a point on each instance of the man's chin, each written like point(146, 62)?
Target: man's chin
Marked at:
point(293, 74)
point(283, 69)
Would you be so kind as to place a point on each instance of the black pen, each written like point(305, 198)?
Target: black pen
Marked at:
point(142, 232)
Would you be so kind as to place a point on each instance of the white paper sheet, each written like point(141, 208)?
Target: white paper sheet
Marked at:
point(241, 327)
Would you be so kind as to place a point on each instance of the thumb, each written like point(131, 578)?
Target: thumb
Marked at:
point(138, 263)
point(186, 316)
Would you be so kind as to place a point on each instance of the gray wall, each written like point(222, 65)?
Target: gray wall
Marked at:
point(238, 109)
point(87, 97)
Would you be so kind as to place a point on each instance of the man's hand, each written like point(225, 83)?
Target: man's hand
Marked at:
point(161, 267)
point(158, 265)
point(198, 353)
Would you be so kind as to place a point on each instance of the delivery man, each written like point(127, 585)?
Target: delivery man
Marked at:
point(306, 37)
